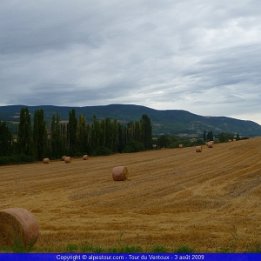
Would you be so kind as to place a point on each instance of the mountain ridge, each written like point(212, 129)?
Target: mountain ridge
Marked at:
point(179, 122)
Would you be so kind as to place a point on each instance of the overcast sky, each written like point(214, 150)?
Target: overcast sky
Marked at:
point(203, 56)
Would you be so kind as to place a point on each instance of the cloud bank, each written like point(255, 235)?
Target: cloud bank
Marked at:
point(197, 55)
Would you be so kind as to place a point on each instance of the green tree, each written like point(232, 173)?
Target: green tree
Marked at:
point(138, 131)
point(122, 137)
point(224, 137)
point(82, 135)
point(204, 136)
point(130, 132)
point(24, 137)
point(39, 134)
point(96, 134)
point(72, 132)
point(164, 141)
point(57, 141)
point(5, 139)
point(115, 137)
point(146, 131)
point(210, 136)
point(110, 134)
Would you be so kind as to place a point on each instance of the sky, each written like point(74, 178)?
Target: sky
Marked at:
point(203, 56)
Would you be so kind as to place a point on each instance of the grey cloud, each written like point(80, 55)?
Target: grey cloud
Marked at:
point(162, 54)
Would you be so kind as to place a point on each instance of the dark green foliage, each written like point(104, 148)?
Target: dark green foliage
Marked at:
point(169, 141)
point(24, 137)
point(205, 135)
point(122, 137)
point(133, 146)
point(146, 131)
point(58, 139)
point(95, 134)
point(72, 132)
point(39, 135)
point(5, 139)
point(101, 150)
point(163, 141)
point(82, 135)
point(210, 136)
point(74, 137)
point(224, 137)
point(15, 159)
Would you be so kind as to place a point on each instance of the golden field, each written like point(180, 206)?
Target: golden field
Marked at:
point(209, 201)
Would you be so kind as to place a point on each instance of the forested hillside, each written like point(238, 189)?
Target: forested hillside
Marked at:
point(170, 122)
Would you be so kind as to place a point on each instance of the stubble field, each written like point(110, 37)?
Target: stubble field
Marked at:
point(208, 201)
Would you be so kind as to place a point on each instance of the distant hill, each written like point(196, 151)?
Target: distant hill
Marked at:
point(163, 121)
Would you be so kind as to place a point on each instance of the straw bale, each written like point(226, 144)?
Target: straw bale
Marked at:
point(67, 159)
point(46, 160)
point(18, 227)
point(210, 144)
point(198, 148)
point(120, 173)
point(85, 157)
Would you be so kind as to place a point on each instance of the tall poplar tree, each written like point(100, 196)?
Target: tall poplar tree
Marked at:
point(5, 139)
point(39, 134)
point(72, 132)
point(146, 131)
point(82, 135)
point(24, 137)
point(96, 134)
point(57, 145)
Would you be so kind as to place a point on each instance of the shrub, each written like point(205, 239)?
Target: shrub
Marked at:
point(102, 151)
point(133, 146)
point(16, 159)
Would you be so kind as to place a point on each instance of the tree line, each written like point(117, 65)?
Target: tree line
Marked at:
point(35, 139)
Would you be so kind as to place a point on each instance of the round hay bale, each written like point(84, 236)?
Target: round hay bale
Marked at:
point(85, 157)
point(180, 145)
point(18, 227)
point(120, 173)
point(67, 159)
point(210, 144)
point(198, 148)
point(46, 160)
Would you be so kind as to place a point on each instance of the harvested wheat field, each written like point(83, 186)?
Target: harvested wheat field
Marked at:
point(209, 201)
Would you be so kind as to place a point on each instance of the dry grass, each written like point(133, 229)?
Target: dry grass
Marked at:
point(209, 201)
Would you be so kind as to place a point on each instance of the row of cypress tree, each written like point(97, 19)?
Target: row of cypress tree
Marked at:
point(74, 137)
